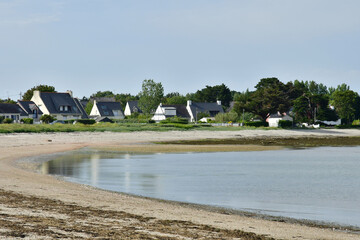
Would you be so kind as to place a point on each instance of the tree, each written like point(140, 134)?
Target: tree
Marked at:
point(212, 94)
point(271, 96)
point(89, 107)
point(124, 98)
point(311, 107)
point(42, 88)
point(100, 94)
point(175, 98)
point(346, 104)
point(47, 118)
point(150, 96)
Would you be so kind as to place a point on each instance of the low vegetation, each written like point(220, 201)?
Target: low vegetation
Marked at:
point(99, 127)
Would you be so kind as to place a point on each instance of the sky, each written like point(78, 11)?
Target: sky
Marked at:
point(97, 45)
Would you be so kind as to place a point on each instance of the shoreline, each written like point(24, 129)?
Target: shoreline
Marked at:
point(216, 209)
point(16, 180)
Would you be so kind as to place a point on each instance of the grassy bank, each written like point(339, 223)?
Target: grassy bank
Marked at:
point(113, 127)
point(101, 127)
point(276, 141)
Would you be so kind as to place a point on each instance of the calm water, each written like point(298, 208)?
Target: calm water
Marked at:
point(317, 184)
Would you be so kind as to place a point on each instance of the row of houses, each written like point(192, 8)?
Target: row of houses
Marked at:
point(63, 106)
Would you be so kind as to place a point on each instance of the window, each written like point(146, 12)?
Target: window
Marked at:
point(66, 108)
point(61, 108)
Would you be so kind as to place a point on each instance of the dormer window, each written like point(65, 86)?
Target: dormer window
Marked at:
point(64, 108)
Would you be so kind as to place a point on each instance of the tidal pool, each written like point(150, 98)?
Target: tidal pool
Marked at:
point(321, 184)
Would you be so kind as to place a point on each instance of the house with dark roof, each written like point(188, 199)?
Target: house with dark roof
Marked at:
point(12, 111)
point(132, 107)
point(112, 110)
point(274, 119)
point(62, 106)
point(166, 111)
point(30, 110)
point(210, 109)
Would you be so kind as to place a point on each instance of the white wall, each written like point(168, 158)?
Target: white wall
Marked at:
point(39, 102)
point(127, 111)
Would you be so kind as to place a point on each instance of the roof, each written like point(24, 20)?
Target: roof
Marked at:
point(181, 110)
point(53, 101)
point(103, 119)
point(107, 108)
point(211, 108)
point(134, 105)
point(10, 108)
point(29, 106)
point(81, 108)
point(279, 115)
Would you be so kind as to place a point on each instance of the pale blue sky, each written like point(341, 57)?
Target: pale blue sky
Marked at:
point(91, 45)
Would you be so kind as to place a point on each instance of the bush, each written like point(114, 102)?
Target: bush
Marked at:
point(47, 118)
point(175, 119)
point(345, 126)
point(257, 124)
point(1, 119)
point(86, 121)
point(8, 120)
point(226, 117)
point(27, 120)
point(285, 124)
point(356, 122)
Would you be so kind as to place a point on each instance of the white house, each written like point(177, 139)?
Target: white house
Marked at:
point(31, 110)
point(112, 110)
point(274, 119)
point(165, 111)
point(62, 106)
point(211, 109)
point(132, 107)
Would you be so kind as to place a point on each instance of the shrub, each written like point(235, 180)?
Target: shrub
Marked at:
point(86, 121)
point(2, 119)
point(226, 117)
point(356, 122)
point(47, 118)
point(8, 120)
point(285, 124)
point(257, 124)
point(27, 120)
point(175, 119)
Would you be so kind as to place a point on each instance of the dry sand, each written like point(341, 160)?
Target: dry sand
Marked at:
point(35, 206)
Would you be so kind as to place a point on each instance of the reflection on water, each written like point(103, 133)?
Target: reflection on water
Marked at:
point(317, 184)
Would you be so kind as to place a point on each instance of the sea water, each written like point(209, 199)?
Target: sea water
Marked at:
point(320, 184)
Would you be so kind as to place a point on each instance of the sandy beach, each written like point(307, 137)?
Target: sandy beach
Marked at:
point(36, 206)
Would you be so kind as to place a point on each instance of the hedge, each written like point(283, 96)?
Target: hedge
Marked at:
point(285, 124)
point(257, 124)
point(27, 120)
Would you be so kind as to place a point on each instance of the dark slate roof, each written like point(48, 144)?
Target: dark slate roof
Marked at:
point(181, 110)
point(211, 108)
point(29, 106)
point(106, 108)
point(81, 108)
point(103, 119)
point(53, 101)
point(11, 108)
point(134, 105)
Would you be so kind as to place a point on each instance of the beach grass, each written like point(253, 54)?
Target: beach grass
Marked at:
point(114, 127)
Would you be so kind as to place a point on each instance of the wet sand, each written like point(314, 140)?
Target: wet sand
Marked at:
point(35, 206)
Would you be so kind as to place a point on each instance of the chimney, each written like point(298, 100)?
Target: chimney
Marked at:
point(70, 92)
point(36, 94)
point(189, 102)
point(218, 102)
